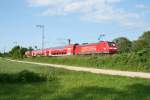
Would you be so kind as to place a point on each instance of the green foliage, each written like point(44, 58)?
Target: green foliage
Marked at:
point(30, 49)
point(1, 54)
point(142, 43)
point(15, 52)
point(18, 52)
point(134, 61)
point(72, 85)
point(123, 44)
point(22, 51)
point(4, 54)
point(23, 76)
point(139, 45)
point(27, 76)
point(146, 37)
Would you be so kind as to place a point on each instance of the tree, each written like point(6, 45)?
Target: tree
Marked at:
point(22, 51)
point(139, 45)
point(18, 52)
point(1, 54)
point(36, 47)
point(123, 44)
point(30, 49)
point(15, 52)
point(146, 37)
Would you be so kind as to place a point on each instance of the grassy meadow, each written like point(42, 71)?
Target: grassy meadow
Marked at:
point(70, 85)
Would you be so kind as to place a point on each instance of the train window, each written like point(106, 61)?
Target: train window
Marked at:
point(112, 44)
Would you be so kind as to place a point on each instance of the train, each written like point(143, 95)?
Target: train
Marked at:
point(102, 47)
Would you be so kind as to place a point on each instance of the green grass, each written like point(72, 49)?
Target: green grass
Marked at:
point(70, 85)
point(126, 62)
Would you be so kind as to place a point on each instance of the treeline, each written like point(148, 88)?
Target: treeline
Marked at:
point(16, 52)
point(6, 54)
point(126, 46)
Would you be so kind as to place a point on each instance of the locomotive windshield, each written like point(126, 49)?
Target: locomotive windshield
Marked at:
point(112, 44)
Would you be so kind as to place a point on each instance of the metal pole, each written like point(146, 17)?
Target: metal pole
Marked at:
point(69, 41)
point(4, 49)
point(43, 31)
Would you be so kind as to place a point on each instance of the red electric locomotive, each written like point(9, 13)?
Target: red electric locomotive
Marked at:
point(97, 48)
point(76, 49)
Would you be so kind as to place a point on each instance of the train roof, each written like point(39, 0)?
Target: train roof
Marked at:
point(85, 44)
point(61, 47)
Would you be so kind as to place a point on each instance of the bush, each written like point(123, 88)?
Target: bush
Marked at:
point(22, 77)
point(26, 76)
point(1, 54)
point(18, 52)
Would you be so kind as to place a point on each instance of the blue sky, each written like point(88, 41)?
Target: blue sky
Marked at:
point(80, 20)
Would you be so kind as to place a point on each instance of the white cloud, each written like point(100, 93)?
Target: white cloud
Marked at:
point(91, 10)
point(39, 2)
point(140, 6)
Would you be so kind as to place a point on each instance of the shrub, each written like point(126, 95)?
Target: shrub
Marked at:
point(133, 61)
point(27, 76)
point(22, 77)
point(1, 54)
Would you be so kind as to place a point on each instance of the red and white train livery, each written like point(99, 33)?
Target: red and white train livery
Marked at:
point(102, 47)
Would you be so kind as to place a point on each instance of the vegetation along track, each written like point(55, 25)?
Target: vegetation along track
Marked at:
point(91, 70)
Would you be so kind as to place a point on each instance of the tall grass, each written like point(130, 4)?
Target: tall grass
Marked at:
point(135, 61)
point(24, 76)
point(71, 85)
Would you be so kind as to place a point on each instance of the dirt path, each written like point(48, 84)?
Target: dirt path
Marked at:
point(92, 70)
